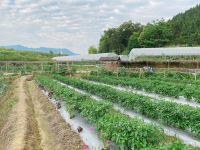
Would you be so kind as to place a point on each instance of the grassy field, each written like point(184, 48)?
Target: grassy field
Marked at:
point(13, 55)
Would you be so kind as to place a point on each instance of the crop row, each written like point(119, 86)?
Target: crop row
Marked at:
point(193, 82)
point(2, 84)
point(173, 114)
point(111, 124)
point(184, 78)
point(164, 79)
point(167, 75)
point(153, 86)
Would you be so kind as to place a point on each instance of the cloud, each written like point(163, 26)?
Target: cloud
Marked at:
point(76, 24)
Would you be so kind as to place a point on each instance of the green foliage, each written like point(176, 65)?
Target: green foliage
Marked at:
point(180, 116)
point(172, 89)
point(92, 50)
point(2, 84)
point(177, 145)
point(116, 39)
point(14, 55)
point(157, 34)
point(185, 27)
point(138, 132)
point(111, 125)
point(182, 30)
point(133, 41)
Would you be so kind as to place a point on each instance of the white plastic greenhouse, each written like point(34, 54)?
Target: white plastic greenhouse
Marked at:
point(172, 51)
point(124, 58)
point(84, 57)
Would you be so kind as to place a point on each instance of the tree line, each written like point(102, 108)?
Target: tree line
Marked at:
point(181, 30)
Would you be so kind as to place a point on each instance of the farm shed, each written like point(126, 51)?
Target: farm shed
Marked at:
point(170, 51)
point(111, 63)
point(84, 57)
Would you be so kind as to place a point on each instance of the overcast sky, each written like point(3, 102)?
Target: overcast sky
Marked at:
point(76, 24)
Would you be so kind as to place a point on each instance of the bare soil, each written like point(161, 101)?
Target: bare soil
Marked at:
point(33, 123)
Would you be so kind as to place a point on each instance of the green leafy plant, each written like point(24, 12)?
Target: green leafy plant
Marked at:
point(111, 125)
point(173, 89)
point(181, 116)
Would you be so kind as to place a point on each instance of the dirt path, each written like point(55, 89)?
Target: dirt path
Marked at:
point(34, 123)
point(55, 133)
point(21, 121)
point(14, 131)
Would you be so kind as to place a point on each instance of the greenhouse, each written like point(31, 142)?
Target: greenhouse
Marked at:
point(124, 58)
point(84, 57)
point(172, 51)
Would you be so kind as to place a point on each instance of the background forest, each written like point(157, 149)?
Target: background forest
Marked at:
point(181, 30)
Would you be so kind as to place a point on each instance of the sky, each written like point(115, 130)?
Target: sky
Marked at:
point(76, 24)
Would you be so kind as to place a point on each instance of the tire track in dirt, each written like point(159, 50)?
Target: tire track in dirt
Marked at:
point(54, 132)
point(14, 131)
point(20, 131)
point(34, 123)
point(7, 102)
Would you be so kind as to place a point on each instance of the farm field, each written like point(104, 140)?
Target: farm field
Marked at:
point(99, 75)
point(114, 124)
point(61, 112)
point(29, 121)
point(14, 55)
point(172, 89)
point(167, 113)
point(161, 109)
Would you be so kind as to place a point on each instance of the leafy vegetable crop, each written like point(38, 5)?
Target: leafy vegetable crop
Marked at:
point(164, 88)
point(173, 114)
point(111, 124)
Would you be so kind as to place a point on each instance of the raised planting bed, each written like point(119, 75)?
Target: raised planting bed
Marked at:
point(111, 125)
point(180, 116)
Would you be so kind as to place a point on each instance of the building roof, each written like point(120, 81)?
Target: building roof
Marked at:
point(84, 57)
point(116, 58)
point(170, 51)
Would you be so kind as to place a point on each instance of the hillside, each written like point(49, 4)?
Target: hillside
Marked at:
point(182, 30)
point(186, 27)
point(14, 55)
point(41, 49)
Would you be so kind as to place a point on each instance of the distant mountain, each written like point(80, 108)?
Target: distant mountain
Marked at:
point(41, 49)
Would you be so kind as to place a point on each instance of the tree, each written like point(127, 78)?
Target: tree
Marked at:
point(183, 29)
point(116, 39)
point(133, 41)
point(104, 44)
point(92, 50)
point(157, 34)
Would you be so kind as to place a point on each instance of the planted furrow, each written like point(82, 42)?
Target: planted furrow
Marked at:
point(189, 91)
point(110, 124)
point(188, 139)
point(172, 114)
